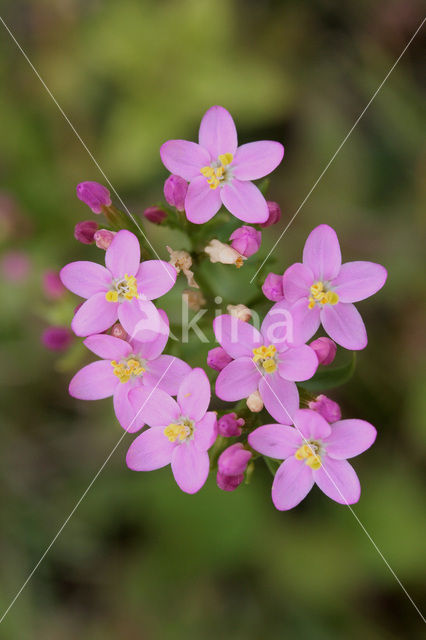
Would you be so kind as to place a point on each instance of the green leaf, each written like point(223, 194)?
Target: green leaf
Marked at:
point(330, 377)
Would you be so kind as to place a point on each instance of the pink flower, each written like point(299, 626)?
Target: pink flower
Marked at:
point(273, 287)
point(314, 453)
point(234, 460)
point(95, 195)
point(120, 290)
point(246, 240)
point(326, 407)
point(180, 432)
point(175, 190)
point(217, 358)
point(126, 365)
point(230, 425)
point(219, 172)
point(56, 338)
point(325, 348)
point(103, 238)
point(322, 290)
point(155, 215)
point(263, 361)
point(274, 214)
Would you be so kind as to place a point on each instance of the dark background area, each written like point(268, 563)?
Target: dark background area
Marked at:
point(140, 559)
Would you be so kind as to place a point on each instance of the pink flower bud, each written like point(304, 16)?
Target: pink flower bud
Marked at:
point(155, 214)
point(103, 238)
point(95, 195)
point(118, 331)
point(325, 348)
point(84, 231)
point(229, 483)
point(217, 358)
point(327, 408)
point(56, 338)
point(273, 287)
point(229, 425)
point(274, 214)
point(175, 189)
point(52, 285)
point(233, 461)
point(246, 240)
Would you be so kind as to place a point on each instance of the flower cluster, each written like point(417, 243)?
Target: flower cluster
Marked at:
point(267, 370)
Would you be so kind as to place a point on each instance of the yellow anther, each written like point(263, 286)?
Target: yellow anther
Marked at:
point(226, 158)
point(208, 172)
point(111, 296)
point(263, 353)
point(127, 368)
point(126, 289)
point(270, 365)
point(332, 297)
point(320, 295)
point(177, 431)
point(307, 452)
point(314, 462)
point(216, 174)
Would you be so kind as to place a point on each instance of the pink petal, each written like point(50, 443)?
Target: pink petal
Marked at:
point(123, 254)
point(344, 325)
point(278, 326)
point(206, 431)
point(275, 440)
point(297, 281)
point(94, 382)
point(201, 202)
point(305, 321)
point(142, 320)
point(155, 278)
point(293, 481)
point(85, 278)
point(349, 438)
point(194, 395)
point(151, 450)
point(167, 372)
point(322, 253)
point(359, 280)
point(238, 338)
point(244, 201)
point(190, 467)
point(124, 410)
point(94, 316)
point(311, 424)
point(280, 396)
point(256, 159)
point(108, 347)
point(154, 406)
point(151, 350)
point(217, 132)
point(237, 380)
point(184, 158)
point(338, 480)
point(298, 363)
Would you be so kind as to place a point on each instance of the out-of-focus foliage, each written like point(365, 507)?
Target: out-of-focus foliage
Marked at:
point(139, 559)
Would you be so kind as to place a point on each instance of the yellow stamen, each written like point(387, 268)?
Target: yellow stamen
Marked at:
point(125, 369)
point(307, 453)
point(126, 289)
point(270, 365)
point(175, 431)
point(215, 175)
point(320, 295)
point(111, 296)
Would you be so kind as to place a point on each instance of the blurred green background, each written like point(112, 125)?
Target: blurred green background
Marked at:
point(140, 559)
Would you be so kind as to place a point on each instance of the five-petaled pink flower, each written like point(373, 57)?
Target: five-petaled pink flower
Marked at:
point(322, 290)
point(180, 433)
point(265, 360)
point(113, 290)
point(220, 172)
point(314, 452)
point(127, 365)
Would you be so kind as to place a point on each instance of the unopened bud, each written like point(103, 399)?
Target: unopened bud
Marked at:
point(194, 299)
point(224, 253)
point(230, 425)
point(246, 240)
point(273, 287)
point(254, 402)
point(175, 189)
point(325, 348)
point(217, 358)
point(118, 331)
point(155, 214)
point(103, 238)
point(234, 460)
point(239, 311)
point(274, 214)
point(56, 338)
point(326, 407)
point(229, 483)
point(52, 285)
point(84, 231)
point(95, 195)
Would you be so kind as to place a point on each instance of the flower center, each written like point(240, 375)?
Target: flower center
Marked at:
point(265, 357)
point(131, 367)
point(122, 289)
point(218, 172)
point(182, 430)
point(321, 294)
point(311, 453)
